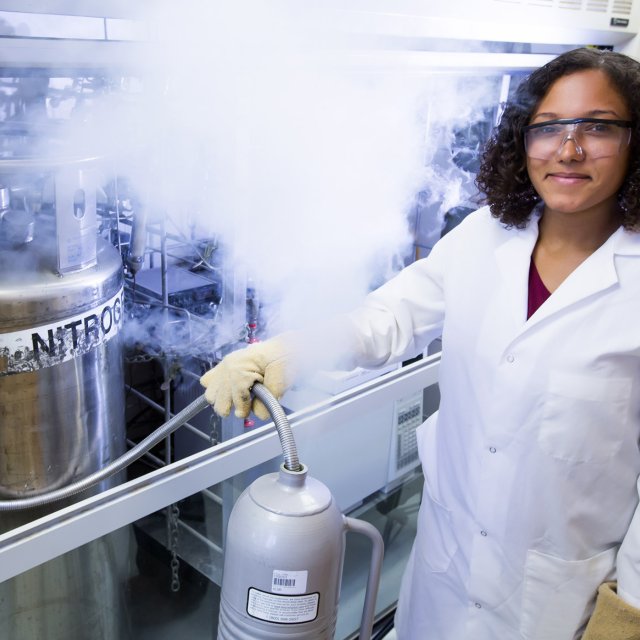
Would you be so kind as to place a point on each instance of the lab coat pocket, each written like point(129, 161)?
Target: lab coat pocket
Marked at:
point(558, 595)
point(584, 417)
point(435, 542)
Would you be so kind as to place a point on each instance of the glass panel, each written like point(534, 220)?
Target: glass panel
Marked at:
point(395, 516)
point(159, 578)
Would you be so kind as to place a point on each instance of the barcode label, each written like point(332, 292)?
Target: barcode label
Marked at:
point(291, 582)
point(284, 582)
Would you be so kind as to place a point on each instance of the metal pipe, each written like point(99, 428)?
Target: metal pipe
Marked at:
point(196, 534)
point(207, 493)
point(280, 420)
point(291, 461)
point(138, 240)
point(116, 466)
point(148, 456)
point(160, 409)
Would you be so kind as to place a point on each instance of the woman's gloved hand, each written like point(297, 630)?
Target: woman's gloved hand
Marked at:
point(613, 618)
point(229, 383)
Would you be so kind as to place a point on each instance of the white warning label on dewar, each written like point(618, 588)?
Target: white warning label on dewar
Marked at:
point(272, 607)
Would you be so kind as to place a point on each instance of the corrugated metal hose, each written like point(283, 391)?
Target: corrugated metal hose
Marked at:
point(260, 391)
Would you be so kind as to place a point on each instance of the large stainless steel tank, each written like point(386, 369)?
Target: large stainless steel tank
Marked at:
point(61, 418)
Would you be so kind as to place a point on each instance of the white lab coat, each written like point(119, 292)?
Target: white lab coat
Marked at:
point(531, 463)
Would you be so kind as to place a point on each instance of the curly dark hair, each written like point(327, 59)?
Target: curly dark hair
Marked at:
point(503, 177)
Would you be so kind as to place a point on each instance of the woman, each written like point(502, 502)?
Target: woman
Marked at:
point(532, 461)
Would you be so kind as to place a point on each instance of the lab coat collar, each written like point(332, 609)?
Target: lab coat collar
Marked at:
point(626, 243)
point(597, 273)
point(513, 258)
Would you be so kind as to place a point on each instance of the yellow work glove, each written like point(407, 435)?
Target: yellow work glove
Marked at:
point(613, 618)
point(229, 383)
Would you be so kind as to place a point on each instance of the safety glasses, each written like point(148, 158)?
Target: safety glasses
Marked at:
point(593, 137)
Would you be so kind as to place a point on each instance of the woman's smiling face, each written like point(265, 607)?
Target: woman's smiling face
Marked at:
point(571, 181)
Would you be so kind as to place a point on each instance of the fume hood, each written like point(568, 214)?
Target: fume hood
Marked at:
point(184, 144)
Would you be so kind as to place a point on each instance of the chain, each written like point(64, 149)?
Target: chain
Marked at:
point(138, 359)
point(214, 432)
point(174, 513)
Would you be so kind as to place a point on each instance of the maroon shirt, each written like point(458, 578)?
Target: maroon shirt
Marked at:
point(538, 293)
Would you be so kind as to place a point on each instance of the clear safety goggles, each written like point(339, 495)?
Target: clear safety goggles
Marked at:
point(595, 137)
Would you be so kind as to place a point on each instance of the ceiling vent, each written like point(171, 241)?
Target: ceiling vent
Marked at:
point(619, 7)
point(622, 7)
point(597, 5)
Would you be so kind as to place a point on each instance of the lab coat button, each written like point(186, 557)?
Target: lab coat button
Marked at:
point(510, 358)
point(483, 533)
point(478, 605)
point(492, 449)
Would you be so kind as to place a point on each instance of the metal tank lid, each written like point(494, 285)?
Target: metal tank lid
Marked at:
point(32, 292)
point(290, 493)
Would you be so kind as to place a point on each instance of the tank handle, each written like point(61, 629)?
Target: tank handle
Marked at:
point(375, 569)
